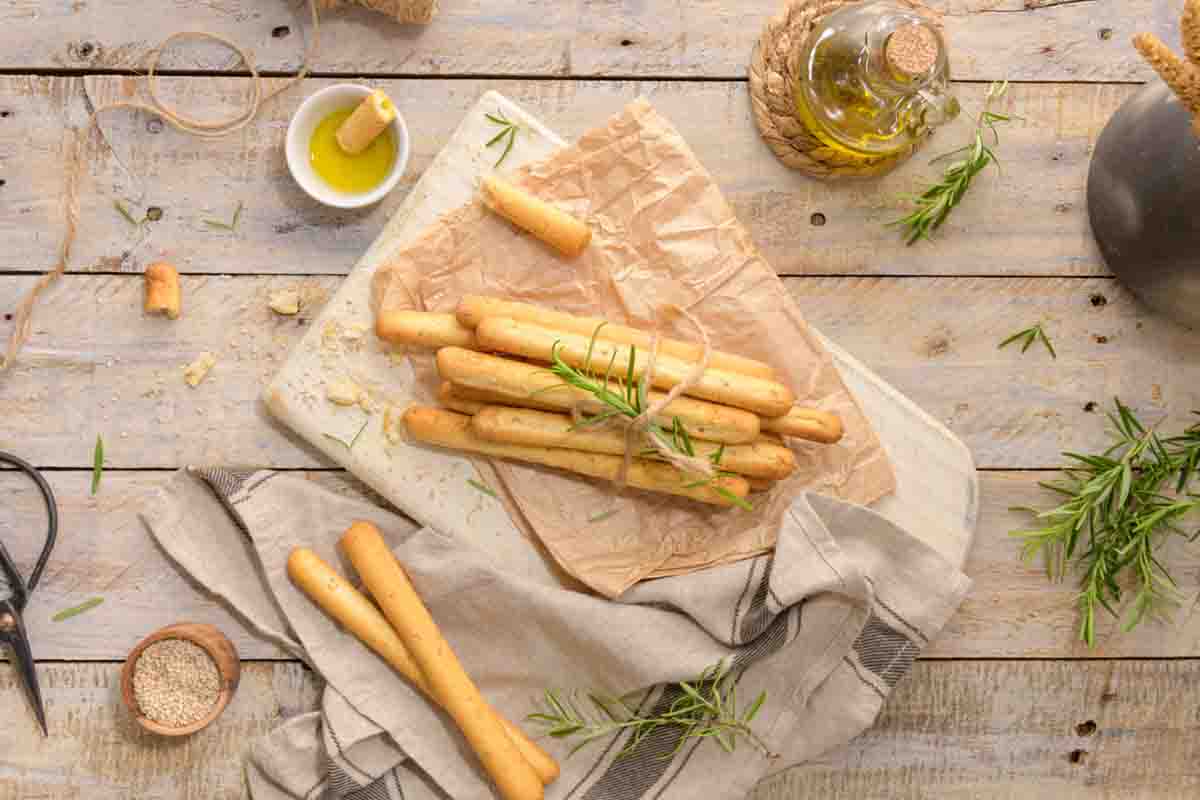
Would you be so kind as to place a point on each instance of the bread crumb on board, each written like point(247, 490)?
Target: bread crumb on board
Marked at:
point(344, 392)
point(392, 426)
point(196, 371)
point(285, 302)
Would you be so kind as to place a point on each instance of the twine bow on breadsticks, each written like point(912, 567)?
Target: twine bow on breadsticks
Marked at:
point(639, 428)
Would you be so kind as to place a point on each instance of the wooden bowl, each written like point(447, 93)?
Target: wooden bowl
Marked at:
point(219, 649)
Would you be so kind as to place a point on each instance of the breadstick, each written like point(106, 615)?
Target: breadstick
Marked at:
point(162, 290)
point(528, 340)
point(446, 429)
point(451, 400)
point(760, 484)
point(806, 423)
point(368, 120)
point(477, 398)
point(553, 226)
point(759, 459)
point(448, 682)
point(350, 607)
point(530, 384)
point(422, 328)
point(474, 308)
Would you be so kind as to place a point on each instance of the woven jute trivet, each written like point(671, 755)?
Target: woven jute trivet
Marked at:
point(773, 70)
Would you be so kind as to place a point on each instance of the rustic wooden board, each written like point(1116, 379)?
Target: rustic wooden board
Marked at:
point(1028, 220)
point(105, 551)
point(983, 730)
point(990, 39)
point(933, 339)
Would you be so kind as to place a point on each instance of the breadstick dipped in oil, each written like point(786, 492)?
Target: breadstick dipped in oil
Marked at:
point(525, 339)
point(423, 329)
point(552, 225)
point(473, 309)
point(533, 385)
point(369, 119)
point(448, 682)
point(760, 458)
point(354, 611)
point(443, 428)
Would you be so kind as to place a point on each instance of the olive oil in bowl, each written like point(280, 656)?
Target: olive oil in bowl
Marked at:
point(343, 172)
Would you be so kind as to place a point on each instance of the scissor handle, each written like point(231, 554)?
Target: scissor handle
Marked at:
point(51, 532)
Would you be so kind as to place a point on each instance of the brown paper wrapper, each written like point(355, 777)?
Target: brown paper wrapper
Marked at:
point(662, 233)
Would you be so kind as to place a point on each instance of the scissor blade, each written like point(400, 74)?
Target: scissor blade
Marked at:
point(12, 633)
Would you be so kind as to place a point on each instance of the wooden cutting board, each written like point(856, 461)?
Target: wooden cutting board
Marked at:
point(937, 495)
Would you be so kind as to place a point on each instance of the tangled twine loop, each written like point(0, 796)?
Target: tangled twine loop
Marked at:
point(637, 429)
point(408, 11)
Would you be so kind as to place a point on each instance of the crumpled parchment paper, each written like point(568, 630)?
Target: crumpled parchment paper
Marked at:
point(662, 233)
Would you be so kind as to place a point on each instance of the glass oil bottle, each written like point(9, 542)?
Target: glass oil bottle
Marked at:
point(872, 81)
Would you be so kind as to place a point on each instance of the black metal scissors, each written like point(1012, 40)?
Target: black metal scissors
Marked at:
point(15, 590)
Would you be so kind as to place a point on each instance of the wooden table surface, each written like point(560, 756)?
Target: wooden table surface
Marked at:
point(1005, 703)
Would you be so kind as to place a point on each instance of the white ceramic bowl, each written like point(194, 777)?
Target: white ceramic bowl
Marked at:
point(299, 134)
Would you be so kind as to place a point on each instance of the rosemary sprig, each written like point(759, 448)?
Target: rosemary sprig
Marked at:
point(1114, 517)
point(97, 464)
point(1027, 337)
point(482, 487)
point(507, 134)
point(935, 203)
point(706, 707)
point(627, 399)
point(75, 611)
point(227, 226)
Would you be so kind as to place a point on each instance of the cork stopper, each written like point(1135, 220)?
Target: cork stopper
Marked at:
point(911, 50)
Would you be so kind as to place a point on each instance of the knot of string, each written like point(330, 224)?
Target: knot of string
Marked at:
point(642, 432)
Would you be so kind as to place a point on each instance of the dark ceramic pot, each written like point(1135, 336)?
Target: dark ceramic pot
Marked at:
point(1144, 202)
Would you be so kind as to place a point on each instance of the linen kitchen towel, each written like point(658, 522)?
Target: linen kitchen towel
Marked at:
point(826, 625)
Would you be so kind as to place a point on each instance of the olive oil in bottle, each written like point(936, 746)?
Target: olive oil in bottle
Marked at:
point(873, 80)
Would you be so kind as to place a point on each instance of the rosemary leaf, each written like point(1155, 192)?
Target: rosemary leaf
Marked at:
point(354, 440)
point(75, 611)
point(97, 464)
point(603, 515)
point(507, 134)
point(483, 487)
point(226, 226)
point(1028, 337)
point(124, 212)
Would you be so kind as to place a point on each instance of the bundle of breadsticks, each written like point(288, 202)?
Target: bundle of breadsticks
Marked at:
point(402, 632)
point(716, 437)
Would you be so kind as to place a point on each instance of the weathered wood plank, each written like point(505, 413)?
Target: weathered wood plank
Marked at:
point(95, 751)
point(1029, 219)
point(96, 365)
point(105, 551)
point(990, 39)
point(991, 730)
point(1003, 731)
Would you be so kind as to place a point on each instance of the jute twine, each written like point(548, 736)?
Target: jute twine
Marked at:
point(638, 427)
point(774, 67)
point(419, 11)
